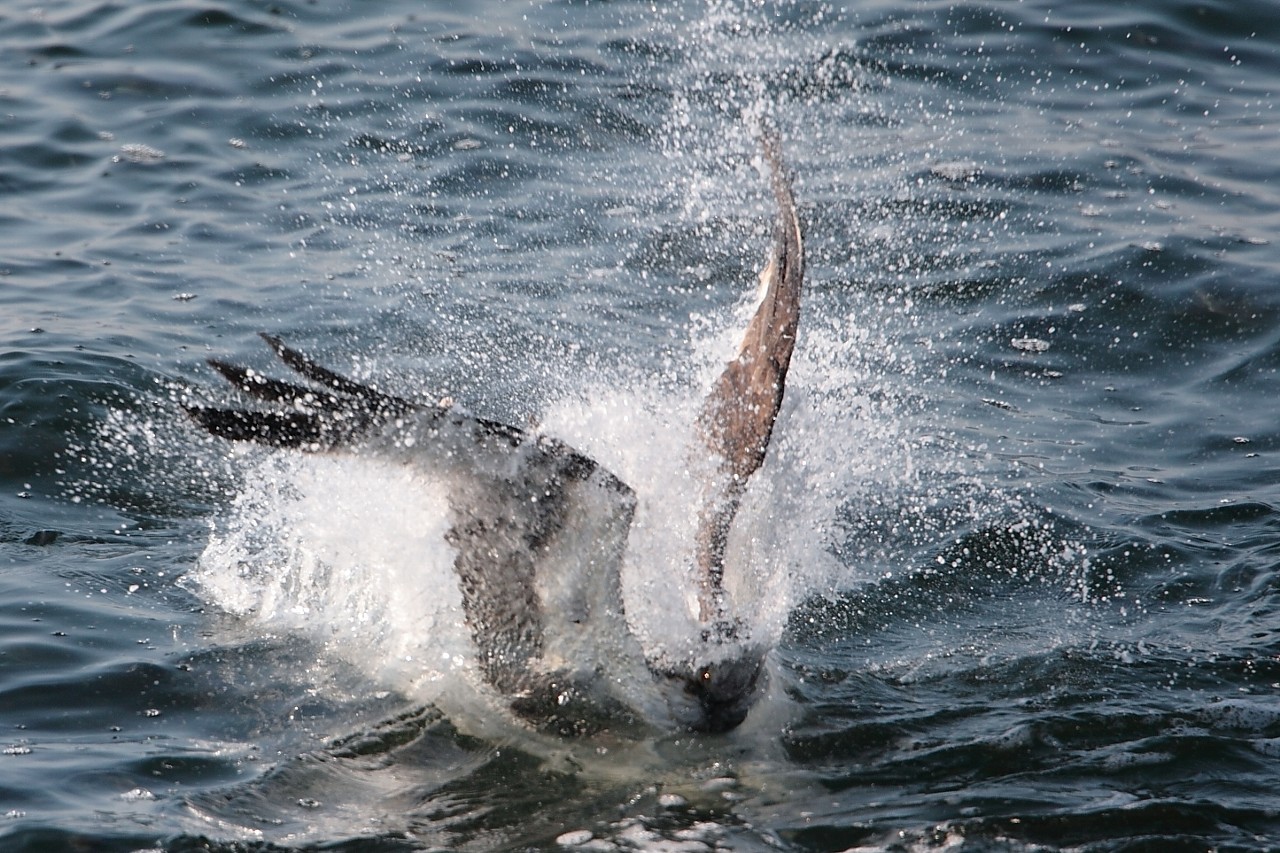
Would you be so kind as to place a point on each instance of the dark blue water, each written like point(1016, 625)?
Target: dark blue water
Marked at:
point(1018, 536)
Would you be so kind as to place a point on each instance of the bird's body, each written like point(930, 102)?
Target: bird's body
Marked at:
point(539, 530)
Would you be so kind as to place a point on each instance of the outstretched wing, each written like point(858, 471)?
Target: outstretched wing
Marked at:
point(736, 421)
point(339, 414)
point(310, 418)
point(538, 527)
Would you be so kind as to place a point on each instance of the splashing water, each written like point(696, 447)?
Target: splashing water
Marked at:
point(973, 179)
point(351, 551)
point(859, 484)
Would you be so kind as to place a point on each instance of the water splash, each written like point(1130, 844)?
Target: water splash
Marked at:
point(864, 479)
point(348, 550)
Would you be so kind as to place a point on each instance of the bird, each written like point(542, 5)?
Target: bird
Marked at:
point(539, 529)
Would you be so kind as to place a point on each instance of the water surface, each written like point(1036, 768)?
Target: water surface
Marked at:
point(1017, 537)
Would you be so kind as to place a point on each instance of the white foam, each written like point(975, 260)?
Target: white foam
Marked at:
point(348, 550)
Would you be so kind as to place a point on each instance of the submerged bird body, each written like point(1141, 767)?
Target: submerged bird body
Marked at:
point(540, 530)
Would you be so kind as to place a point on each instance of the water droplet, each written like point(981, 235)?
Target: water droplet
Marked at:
point(137, 152)
point(1030, 344)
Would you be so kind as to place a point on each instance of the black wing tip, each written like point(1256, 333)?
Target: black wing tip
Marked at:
point(312, 418)
point(771, 144)
point(275, 429)
point(309, 368)
point(233, 373)
point(780, 176)
point(770, 137)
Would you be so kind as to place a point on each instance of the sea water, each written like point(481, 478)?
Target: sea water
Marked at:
point(1015, 540)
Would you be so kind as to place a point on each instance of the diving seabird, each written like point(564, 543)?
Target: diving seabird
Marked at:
point(539, 529)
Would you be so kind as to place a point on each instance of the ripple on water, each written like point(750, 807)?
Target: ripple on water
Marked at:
point(523, 210)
